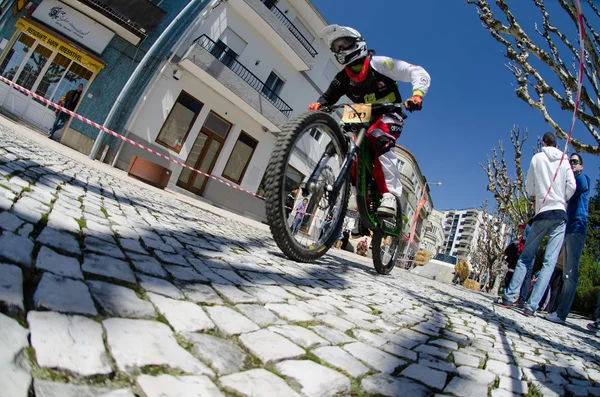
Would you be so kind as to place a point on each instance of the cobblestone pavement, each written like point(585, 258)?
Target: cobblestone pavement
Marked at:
point(112, 288)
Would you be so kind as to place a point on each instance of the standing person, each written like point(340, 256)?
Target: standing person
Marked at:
point(526, 286)
point(551, 196)
point(577, 219)
point(595, 326)
point(289, 201)
point(555, 285)
point(69, 101)
point(300, 212)
point(511, 255)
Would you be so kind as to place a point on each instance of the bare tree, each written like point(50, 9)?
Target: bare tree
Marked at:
point(532, 81)
point(492, 239)
point(508, 190)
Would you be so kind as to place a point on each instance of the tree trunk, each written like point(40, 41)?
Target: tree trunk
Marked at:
point(499, 277)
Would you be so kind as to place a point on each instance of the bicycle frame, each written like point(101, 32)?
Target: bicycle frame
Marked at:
point(363, 171)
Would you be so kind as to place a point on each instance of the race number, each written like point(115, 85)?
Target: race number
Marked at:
point(358, 113)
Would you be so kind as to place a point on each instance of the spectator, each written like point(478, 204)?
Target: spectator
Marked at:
point(555, 286)
point(552, 184)
point(69, 101)
point(362, 247)
point(300, 212)
point(526, 286)
point(511, 254)
point(577, 219)
point(289, 201)
point(595, 326)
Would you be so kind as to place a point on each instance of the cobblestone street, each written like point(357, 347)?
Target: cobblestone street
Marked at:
point(110, 287)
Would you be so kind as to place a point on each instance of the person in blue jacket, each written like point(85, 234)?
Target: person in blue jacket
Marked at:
point(577, 219)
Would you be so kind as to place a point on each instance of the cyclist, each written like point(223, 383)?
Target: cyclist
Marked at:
point(367, 78)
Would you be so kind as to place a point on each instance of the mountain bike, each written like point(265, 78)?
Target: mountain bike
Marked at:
point(321, 157)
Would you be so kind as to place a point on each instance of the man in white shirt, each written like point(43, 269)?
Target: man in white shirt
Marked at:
point(551, 196)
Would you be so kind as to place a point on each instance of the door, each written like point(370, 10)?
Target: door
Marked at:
point(204, 153)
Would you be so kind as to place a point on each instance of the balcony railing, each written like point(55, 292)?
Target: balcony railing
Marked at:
point(221, 52)
point(281, 16)
point(148, 15)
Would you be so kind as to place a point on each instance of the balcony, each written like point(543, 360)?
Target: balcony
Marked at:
point(133, 20)
point(216, 68)
point(407, 183)
point(278, 30)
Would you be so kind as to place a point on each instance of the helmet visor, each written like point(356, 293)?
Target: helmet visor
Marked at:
point(342, 44)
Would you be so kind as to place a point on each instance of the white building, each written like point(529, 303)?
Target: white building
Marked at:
point(433, 234)
point(413, 185)
point(219, 103)
point(461, 229)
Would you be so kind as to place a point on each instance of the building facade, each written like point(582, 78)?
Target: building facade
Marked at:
point(461, 229)
point(52, 46)
point(433, 233)
point(415, 194)
point(220, 101)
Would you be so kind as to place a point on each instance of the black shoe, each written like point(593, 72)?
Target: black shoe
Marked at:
point(528, 313)
point(500, 302)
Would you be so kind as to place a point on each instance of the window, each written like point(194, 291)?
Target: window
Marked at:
point(273, 87)
point(15, 56)
point(223, 53)
point(303, 30)
point(315, 133)
point(33, 67)
point(179, 122)
point(269, 3)
point(330, 71)
point(293, 179)
point(240, 158)
point(76, 75)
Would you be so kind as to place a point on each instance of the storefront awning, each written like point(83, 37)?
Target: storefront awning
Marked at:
point(60, 44)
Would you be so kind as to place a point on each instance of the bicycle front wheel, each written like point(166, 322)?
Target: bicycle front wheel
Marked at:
point(305, 227)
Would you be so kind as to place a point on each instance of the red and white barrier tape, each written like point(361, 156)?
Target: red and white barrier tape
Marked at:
point(100, 127)
point(96, 125)
point(577, 98)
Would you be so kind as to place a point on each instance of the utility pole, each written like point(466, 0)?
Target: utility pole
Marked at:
point(140, 67)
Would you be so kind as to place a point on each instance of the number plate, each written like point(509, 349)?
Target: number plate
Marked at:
point(358, 113)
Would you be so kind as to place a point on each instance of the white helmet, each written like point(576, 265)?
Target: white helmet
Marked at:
point(346, 43)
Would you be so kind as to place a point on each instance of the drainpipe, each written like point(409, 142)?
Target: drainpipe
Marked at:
point(184, 37)
point(7, 13)
point(140, 67)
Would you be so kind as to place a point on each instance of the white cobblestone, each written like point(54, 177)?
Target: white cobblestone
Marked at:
point(229, 321)
point(315, 380)
point(72, 343)
point(375, 358)
point(339, 358)
point(178, 386)
point(269, 346)
point(257, 383)
point(138, 343)
point(183, 316)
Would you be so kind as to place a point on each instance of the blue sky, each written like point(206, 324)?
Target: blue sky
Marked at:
point(471, 103)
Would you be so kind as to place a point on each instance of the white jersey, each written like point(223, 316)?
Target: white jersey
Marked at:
point(402, 71)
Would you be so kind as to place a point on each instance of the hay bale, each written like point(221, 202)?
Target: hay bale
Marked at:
point(423, 257)
point(472, 285)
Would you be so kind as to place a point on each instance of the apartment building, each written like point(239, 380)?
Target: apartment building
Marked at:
point(433, 233)
point(219, 102)
point(52, 46)
point(414, 184)
point(461, 228)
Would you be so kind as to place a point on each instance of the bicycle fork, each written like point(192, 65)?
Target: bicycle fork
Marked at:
point(333, 191)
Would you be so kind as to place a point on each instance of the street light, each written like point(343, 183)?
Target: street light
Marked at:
point(416, 216)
